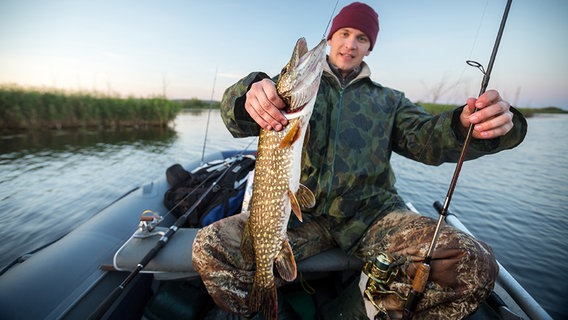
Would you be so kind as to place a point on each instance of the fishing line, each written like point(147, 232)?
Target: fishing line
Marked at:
point(475, 39)
point(478, 29)
point(330, 19)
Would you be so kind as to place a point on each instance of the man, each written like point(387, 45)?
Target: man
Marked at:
point(356, 125)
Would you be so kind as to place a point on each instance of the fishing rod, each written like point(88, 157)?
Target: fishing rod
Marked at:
point(107, 303)
point(423, 271)
point(208, 118)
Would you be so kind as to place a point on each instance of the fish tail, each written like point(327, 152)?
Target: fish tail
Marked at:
point(264, 299)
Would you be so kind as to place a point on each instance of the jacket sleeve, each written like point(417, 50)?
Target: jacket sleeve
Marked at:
point(487, 146)
point(435, 139)
point(236, 118)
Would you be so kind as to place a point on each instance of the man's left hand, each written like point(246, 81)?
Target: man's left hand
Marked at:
point(492, 118)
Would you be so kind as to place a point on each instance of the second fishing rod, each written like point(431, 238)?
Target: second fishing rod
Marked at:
point(228, 165)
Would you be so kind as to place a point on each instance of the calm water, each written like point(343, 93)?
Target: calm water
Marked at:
point(516, 201)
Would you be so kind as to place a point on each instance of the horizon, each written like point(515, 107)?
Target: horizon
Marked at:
point(117, 95)
point(185, 50)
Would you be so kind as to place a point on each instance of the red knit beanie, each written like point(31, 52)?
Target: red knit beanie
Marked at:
point(359, 16)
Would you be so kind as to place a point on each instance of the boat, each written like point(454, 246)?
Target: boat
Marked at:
point(72, 277)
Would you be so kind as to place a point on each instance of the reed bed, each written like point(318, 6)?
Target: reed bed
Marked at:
point(31, 109)
point(36, 109)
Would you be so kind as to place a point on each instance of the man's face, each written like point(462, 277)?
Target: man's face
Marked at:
point(348, 47)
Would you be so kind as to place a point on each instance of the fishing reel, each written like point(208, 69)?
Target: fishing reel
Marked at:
point(381, 272)
point(149, 220)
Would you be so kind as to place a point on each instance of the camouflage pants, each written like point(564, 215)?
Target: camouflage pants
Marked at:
point(462, 276)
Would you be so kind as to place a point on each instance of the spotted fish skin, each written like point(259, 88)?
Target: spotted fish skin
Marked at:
point(276, 188)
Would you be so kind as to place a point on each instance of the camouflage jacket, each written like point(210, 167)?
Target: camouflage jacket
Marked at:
point(353, 131)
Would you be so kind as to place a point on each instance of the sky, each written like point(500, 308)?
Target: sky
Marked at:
point(196, 49)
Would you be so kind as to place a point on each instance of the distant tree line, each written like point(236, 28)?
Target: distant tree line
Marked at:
point(195, 103)
point(436, 108)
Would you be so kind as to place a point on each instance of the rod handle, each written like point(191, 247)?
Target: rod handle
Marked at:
point(421, 277)
point(417, 291)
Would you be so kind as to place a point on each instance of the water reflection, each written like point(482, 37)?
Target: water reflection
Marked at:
point(50, 182)
point(45, 143)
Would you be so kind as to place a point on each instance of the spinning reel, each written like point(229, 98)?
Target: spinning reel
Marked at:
point(381, 272)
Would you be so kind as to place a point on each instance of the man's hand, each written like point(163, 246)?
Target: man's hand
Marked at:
point(263, 104)
point(492, 119)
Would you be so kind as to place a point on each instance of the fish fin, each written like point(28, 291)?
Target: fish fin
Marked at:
point(247, 249)
point(295, 205)
point(285, 262)
point(265, 300)
point(307, 136)
point(305, 197)
point(291, 136)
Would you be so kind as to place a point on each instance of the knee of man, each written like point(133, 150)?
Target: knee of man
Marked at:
point(481, 259)
point(465, 264)
point(478, 273)
point(199, 254)
point(487, 266)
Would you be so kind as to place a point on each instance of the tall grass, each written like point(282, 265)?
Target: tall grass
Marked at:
point(30, 108)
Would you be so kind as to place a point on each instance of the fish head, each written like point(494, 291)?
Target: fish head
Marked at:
point(300, 78)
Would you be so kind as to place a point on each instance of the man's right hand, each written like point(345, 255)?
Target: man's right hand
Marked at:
point(263, 104)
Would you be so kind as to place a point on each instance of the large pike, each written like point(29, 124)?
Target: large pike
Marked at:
point(276, 188)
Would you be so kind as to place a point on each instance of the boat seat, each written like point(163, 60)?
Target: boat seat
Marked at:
point(174, 262)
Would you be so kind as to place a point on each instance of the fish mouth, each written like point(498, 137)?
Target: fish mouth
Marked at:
point(299, 79)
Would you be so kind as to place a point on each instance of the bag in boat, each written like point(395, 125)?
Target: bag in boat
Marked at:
point(223, 200)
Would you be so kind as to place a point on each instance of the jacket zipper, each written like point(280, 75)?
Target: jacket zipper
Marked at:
point(334, 150)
